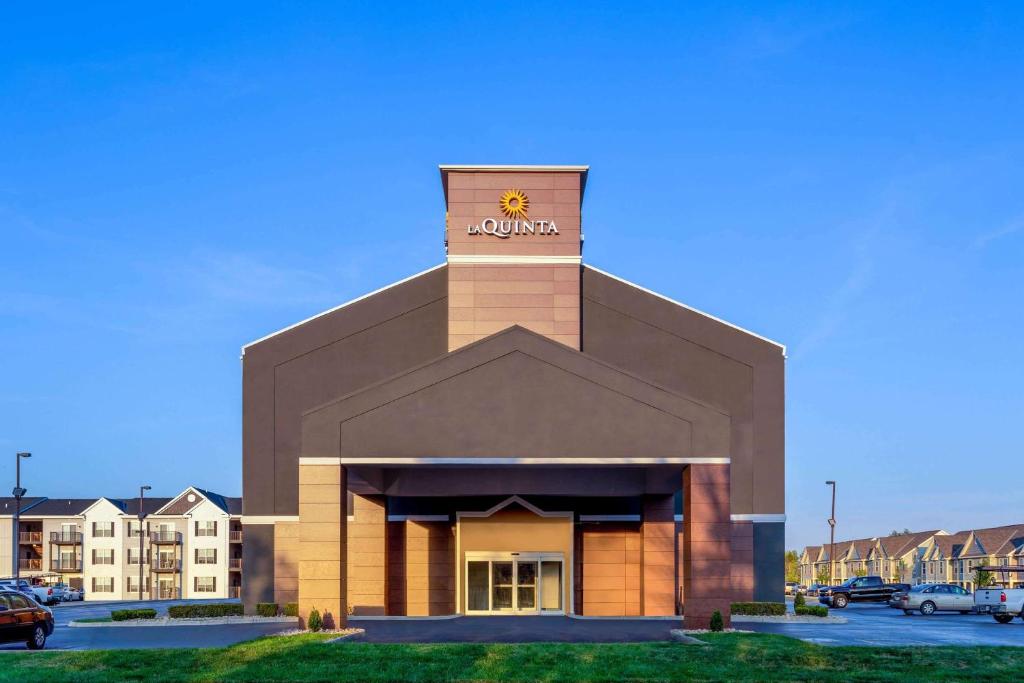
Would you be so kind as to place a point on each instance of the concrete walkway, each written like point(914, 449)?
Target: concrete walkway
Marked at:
point(517, 629)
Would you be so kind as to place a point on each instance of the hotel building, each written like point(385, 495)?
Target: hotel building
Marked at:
point(513, 432)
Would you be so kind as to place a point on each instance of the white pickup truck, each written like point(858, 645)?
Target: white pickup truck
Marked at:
point(44, 595)
point(1002, 603)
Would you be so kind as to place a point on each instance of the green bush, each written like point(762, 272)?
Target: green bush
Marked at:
point(125, 614)
point(204, 611)
point(266, 609)
point(315, 622)
point(759, 609)
point(291, 609)
point(717, 623)
point(812, 611)
point(799, 600)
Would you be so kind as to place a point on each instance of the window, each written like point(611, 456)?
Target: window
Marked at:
point(206, 556)
point(134, 528)
point(205, 584)
point(17, 601)
point(133, 584)
point(103, 556)
point(102, 529)
point(103, 584)
point(206, 528)
point(133, 556)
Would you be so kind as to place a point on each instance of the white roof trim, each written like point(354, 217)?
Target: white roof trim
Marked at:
point(175, 498)
point(512, 461)
point(689, 308)
point(509, 501)
point(500, 167)
point(268, 519)
point(340, 306)
point(108, 501)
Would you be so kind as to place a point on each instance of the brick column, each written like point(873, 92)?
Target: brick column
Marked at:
point(322, 541)
point(707, 544)
point(367, 568)
point(659, 556)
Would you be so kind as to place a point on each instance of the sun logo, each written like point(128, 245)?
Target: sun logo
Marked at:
point(514, 204)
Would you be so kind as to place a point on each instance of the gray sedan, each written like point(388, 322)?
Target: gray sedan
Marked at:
point(929, 598)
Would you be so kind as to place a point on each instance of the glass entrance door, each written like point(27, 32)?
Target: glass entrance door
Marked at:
point(513, 583)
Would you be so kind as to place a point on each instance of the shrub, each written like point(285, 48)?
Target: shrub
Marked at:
point(125, 614)
point(799, 600)
point(204, 611)
point(759, 609)
point(811, 611)
point(266, 609)
point(315, 622)
point(291, 609)
point(717, 623)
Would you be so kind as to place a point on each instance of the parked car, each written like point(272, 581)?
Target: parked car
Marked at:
point(929, 598)
point(801, 589)
point(48, 595)
point(73, 594)
point(896, 599)
point(1002, 603)
point(859, 589)
point(791, 587)
point(23, 619)
point(812, 590)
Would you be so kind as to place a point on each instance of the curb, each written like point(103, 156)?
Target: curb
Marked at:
point(167, 621)
point(788, 619)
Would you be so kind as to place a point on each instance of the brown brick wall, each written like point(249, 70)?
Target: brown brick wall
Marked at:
point(421, 568)
point(743, 561)
point(609, 558)
point(707, 544)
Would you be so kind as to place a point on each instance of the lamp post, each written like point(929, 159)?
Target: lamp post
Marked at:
point(18, 494)
point(142, 496)
point(832, 531)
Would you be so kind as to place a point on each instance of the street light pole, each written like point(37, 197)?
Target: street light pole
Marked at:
point(832, 531)
point(142, 495)
point(18, 494)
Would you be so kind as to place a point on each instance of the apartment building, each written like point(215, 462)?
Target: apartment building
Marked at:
point(189, 546)
point(935, 556)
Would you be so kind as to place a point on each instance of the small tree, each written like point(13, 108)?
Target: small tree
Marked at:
point(799, 600)
point(717, 623)
point(315, 622)
point(792, 566)
point(822, 577)
point(860, 571)
point(901, 567)
point(982, 578)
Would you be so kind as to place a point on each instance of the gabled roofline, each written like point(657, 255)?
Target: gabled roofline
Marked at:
point(509, 501)
point(97, 502)
point(689, 308)
point(341, 306)
point(193, 489)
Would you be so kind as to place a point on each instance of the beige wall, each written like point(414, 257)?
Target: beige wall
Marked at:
point(322, 543)
point(516, 531)
point(611, 564)
point(286, 562)
point(421, 568)
point(6, 545)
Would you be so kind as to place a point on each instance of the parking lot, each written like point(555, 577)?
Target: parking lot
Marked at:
point(876, 624)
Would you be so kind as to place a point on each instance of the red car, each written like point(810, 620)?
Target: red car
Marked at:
point(23, 619)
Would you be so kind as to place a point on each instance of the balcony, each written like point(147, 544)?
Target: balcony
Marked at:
point(165, 594)
point(165, 537)
point(234, 591)
point(66, 565)
point(164, 564)
point(32, 564)
point(30, 537)
point(66, 537)
point(235, 564)
point(235, 535)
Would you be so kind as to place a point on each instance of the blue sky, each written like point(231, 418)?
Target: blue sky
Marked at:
point(846, 180)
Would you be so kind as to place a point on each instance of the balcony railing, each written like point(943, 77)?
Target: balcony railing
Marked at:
point(165, 537)
point(30, 537)
point(57, 565)
point(163, 564)
point(31, 564)
point(235, 536)
point(235, 563)
point(66, 537)
point(166, 594)
point(234, 591)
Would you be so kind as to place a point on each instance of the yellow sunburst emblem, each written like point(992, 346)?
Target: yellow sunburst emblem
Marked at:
point(514, 204)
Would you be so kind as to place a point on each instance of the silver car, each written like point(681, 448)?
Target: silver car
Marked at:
point(929, 598)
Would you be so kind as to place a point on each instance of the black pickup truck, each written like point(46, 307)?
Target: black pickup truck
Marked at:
point(859, 589)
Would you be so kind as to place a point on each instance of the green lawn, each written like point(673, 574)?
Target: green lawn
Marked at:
point(729, 657)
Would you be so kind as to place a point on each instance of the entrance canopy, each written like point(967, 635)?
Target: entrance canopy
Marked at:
point(519, 413)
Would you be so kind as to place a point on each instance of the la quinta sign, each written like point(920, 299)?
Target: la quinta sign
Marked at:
point(514, 204)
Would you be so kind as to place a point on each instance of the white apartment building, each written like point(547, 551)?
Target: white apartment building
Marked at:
point(189, 546)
